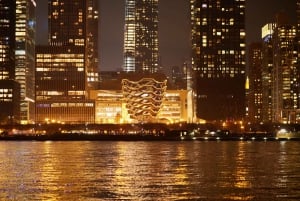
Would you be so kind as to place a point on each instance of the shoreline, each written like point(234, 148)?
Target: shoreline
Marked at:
point(141, 137)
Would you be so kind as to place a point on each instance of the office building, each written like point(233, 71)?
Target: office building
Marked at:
point(218, 58)
point(25, 57)
point(60, 85)
point(67, 69)
point(285, 75)
point(75, 23)
point(141, 36)
point(255, 83)
point(267, 69)
point(17, 51)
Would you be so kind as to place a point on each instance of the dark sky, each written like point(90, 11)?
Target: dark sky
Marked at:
point(173, 27)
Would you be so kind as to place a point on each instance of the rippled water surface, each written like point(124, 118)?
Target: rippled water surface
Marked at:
point(150, 171)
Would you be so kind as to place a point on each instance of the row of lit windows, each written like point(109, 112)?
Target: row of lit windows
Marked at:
point(6, 95)
point(60, 56)
point(58, 60)
point(58, 69)
point(53, 105)
point(72, 105)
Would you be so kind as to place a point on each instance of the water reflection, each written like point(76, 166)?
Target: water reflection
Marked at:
point(149, 171)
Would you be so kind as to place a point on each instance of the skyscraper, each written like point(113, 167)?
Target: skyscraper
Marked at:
point(66, 69)
point(75, 23)
point(267, 69)
point(298, 15)
point(285, 74)
point(255, 90)
point(17, 51)
point(141, 36)
point(218, 58)
point(25, 57)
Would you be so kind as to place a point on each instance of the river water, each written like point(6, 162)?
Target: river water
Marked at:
point(164, 171)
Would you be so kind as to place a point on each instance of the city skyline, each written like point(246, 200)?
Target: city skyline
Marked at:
point(174, 49)
point(217, 55)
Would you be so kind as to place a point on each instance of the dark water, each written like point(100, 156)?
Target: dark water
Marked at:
point(150, 171)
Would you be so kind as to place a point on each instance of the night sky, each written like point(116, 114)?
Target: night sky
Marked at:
point(173, 27)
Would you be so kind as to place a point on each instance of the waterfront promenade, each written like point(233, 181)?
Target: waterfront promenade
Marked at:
point(145, 132)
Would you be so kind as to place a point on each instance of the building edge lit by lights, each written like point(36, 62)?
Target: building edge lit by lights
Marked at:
point(141, 36)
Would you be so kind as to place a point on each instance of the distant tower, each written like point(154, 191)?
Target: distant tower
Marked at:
point(298, 16)
point(218, 58)
point(141, 36)
point(17, 52)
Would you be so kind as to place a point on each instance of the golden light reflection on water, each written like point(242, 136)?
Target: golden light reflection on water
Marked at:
point(242, 177)
point(182, 168)
point(148, 171)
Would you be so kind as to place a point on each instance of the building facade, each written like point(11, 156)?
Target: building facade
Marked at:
point(17, 52)
point(255, 83)
point(110, 108)
point(218, 58)
point(267, 69)
point(75, 23)
point(25, 57)
point(285, 75)
point(141, 36)
point(67, 68)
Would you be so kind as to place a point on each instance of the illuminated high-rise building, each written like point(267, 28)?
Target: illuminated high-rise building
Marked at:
point(218, 58)
point(255, 83)
point(25, 57)
point(141, 36)
point(17, 51)
point(75, 23)
point(298, 16)
point(285, 74)
point(267, 69)
point(66, 69)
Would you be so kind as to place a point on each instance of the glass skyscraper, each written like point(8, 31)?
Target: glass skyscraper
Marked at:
point(17, 51)
point(141, 36)
point(218, 58)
